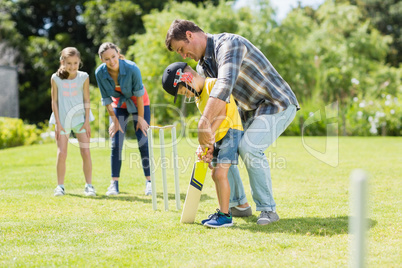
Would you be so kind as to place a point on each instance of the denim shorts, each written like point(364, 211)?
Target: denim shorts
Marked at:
point(75, 129)
point(226, 150)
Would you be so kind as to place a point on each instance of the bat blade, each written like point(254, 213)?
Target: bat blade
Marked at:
point(194, 192)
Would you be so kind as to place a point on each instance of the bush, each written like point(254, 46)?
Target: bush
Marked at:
point(373, 117)
point(13, 132)
point(362, 117)
point(366, 117)
point(311, 119)
point(100, 126)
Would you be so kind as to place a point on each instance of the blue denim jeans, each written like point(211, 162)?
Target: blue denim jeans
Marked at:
point(258, 135)
point(118, 139)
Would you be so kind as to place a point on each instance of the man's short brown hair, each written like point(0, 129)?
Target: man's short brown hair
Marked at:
point(177, 31)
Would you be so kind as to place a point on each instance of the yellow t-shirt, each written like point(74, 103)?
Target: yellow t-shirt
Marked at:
point(232, 119)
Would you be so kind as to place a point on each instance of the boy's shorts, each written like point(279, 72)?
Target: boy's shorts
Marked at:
point(75, 129)
point(226, 150)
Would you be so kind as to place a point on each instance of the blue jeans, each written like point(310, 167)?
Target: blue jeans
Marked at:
point(258, 135)
point(118, 139)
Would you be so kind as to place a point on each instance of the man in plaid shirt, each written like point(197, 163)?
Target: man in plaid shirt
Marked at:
point(266, 104)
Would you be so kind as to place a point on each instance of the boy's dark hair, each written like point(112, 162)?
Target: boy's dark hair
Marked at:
point(177, 31)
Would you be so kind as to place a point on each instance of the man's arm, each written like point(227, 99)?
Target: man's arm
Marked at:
point(213, 110)
point(229, 58)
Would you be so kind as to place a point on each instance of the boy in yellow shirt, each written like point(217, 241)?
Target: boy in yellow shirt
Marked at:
point(181, 79)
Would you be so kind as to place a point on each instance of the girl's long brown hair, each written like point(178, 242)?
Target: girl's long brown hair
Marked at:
point(64, 54)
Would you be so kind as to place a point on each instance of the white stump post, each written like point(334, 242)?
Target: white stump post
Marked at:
point(176, 169)
point(152, 167)
point(358, 220)
point(163, 165)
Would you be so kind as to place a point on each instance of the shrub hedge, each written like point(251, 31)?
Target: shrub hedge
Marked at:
point(13, 132)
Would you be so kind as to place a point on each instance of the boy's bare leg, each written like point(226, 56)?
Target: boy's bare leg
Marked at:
point(220, 177)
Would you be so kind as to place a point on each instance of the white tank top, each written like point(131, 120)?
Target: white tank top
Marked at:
point(71, 101)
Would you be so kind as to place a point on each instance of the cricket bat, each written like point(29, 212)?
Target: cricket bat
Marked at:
point(194, 192)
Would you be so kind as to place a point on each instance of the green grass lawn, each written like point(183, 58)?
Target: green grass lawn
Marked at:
point(37, 229)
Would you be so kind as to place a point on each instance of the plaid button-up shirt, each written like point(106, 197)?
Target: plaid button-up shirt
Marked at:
point(242, 70)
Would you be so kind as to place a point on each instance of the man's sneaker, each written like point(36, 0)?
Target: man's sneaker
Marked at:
point(113, 188)
point(89, 190)
point(267, 217)
point(59, 191)
point(148, 188)
point(220, 220)
point(241, 212)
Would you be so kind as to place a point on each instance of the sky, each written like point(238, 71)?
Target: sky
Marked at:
point(282, 7)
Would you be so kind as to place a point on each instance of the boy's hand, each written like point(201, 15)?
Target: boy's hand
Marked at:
point(199, 152)
point(210, 166)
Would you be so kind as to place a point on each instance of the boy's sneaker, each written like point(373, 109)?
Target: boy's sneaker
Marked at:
point(148, 188)
point(267, 217)
point(89, 190)
point(59, 191)
point(113, 188)
point(220, 220)
point(241, 212)
point(210, 217)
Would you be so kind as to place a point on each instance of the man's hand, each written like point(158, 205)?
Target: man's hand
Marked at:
point(206, 157)
point(210, 120)
point(206, 139)
point(205, 135)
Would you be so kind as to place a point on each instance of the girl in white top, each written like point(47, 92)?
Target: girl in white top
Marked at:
point(71, 112)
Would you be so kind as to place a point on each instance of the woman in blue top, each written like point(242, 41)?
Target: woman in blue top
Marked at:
point(123, 93)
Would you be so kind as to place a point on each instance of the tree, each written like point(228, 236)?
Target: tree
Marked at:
point(152, 56)
point(117, 21)
point(9, 38)
point(386, 16)
point(347, 48)
point(113, 22)
point(45, 27)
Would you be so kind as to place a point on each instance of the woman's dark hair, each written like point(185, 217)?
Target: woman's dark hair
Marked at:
point(108, 45)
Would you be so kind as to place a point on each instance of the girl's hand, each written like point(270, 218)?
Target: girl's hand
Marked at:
point(143, 125)
point(114, 127)
point(87, 128)
point(57, 129)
